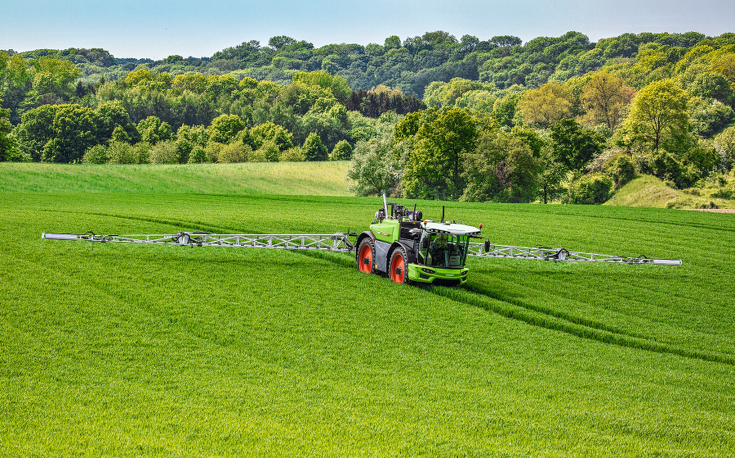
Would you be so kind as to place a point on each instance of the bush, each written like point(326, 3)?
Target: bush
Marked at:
point(313, 148)
point(164, 152)
point(342, 151)
point(292, 155)
point(234, 152)
point(96, 155)
point(269, 150)
point(198, 155)
point(124, 153)
point(590, 189)
point(621, 169)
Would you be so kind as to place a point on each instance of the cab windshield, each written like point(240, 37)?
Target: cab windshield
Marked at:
point(443, 250)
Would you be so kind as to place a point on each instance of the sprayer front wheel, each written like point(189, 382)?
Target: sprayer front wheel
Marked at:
point(365, 256)
point(399, 266)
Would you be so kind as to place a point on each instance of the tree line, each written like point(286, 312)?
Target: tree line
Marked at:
point(552, 118)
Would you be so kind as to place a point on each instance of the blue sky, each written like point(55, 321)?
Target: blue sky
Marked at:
point(156, 29)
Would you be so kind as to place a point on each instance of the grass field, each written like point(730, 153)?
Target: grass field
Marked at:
point(649, 191)
point(133, 350)
point(286, 178)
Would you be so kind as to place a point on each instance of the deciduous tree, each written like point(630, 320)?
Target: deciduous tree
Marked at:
point(659, 110)
point(546, 105)
point(604, 97)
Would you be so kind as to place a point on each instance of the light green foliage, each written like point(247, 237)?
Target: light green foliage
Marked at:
point(269, 151)
point(269, 132)
point(164, 152)
point(234, 152)
point(198, 155)
point(658, 115)
point(143, 77)
point(96, 155)
point(605, 97)
point(374, 169)
point(125, 153)
point(546, 105)
point(341, 152)
point(709, 117)
point(313, 148)
point(710, 86)
point(439, 94)
point(51, 81)
point(292, 155)
point(590, 189)
point(224, 128)
point(725, 144)
point(246, 349)
point(152, 130)
point(621, 169)
point(336, 84)
point(504, 109)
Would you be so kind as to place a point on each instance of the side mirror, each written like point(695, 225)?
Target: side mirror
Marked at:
point(487, 246)
point(425, 243)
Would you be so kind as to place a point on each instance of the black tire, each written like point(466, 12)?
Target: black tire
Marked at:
point(366, 256)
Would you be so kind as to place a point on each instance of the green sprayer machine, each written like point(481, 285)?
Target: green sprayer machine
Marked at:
point(400, 244)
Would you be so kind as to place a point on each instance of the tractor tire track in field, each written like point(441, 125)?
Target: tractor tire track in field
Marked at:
point(511, 309)
point(556, 321)
point(506, 307)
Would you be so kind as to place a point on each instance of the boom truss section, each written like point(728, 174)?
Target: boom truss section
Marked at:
point(325, 242)
point(486, 250)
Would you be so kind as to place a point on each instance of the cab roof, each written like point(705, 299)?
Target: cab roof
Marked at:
point(433, 227)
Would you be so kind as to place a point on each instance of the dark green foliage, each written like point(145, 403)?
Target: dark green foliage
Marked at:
point(373, 105)
point(502, 169)
point(711, 86)
point(590, 189)
point(666, 166)
point(573, 145)
point(313, 148)
point(437, 152)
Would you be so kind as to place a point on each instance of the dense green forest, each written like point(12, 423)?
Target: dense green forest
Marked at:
point(429, 116)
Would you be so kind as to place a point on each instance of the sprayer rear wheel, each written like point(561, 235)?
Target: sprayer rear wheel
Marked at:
point(399, 266)
point(365, 256)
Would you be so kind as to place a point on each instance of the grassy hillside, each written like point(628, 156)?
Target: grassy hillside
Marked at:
point(133, 350)
point(649, 191)
point(292, 178)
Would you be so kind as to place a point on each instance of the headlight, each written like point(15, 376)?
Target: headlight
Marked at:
point(428, 271)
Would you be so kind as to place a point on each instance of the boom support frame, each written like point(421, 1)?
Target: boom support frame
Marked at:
point(487, 250)
point(326, 242)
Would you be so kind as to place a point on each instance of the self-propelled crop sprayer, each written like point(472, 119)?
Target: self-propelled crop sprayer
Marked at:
point(400, 243)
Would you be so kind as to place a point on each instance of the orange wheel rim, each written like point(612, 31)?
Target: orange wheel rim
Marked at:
point(397, 269)
point(366, 259)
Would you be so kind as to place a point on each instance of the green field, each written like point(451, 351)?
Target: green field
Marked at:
point(135, 350)
point(649, 191)
point(283, 178)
